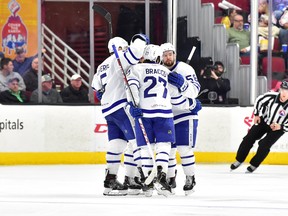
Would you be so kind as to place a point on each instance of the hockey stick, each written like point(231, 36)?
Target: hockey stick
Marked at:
point(103, 12)
point(152, 175)
point(190, 55)
point(188, 61)
point(202, 92)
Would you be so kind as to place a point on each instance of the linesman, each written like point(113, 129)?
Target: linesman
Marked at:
point(271, 120)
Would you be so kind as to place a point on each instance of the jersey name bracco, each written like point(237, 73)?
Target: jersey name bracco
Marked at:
point(191, 92)
point(109, 77)
point(271, 109)
point(149, 86)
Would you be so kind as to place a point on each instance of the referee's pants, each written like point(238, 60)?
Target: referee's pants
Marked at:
point(255, 133)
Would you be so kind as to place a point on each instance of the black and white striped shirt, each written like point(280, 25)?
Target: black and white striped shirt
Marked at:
point(272, 109)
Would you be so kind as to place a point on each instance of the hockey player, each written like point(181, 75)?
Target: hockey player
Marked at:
point(132, 155)
point(184, 78)
point(150, 100)
point(109, 84)
point(270, 123)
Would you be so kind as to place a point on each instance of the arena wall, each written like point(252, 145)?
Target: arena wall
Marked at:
point(39, 134)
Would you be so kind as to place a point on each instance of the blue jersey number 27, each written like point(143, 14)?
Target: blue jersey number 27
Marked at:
point(153, 84)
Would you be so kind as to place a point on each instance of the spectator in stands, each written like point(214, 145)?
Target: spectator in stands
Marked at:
point(211, 79)
point(279, 19)
point(282, 22)
point(49, 94)
point(21, 62)
point(31, 76)
point(7, 73)
point(240, 36)
point(75, 92)
point(263, 27)
point(13, 95)
point(263, 7)
point(229, 19)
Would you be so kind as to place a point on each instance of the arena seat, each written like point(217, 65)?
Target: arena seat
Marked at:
point(276, 47)
point(245, 60)
point(278, 65)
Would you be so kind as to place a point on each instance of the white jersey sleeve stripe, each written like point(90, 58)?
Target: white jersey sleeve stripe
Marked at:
point(175, 98)
point(179, 103)
point(134, 84)
point(133, 81)
point(197, 85)
point(127, 59)
point(130, 51)
point(129, 56)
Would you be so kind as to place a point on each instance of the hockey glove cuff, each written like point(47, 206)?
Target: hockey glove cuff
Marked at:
point(135, 111)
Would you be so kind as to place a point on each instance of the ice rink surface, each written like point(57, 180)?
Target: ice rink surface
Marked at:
point(70, 190)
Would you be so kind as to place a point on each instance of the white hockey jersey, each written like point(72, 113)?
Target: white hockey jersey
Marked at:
point(191, 92)
point(151, 92)
point(109, 77)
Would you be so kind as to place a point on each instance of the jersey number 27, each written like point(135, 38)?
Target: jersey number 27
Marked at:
point(153, 84)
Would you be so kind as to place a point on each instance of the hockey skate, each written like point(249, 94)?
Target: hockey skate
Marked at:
point(251, 169)
point(172, 182)
point(235, 165)
point(148, 189)
point(189, 185)
point(139, 181)
point(113, 187)
point(134, 188)
point(161, 185)
point(142, 176)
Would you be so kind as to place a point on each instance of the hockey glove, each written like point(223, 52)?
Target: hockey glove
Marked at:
point(99, 94)
point(135, 111)
point(177, 80)
point(195, 107)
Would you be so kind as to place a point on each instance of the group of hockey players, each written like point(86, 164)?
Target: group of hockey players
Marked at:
point(148, 99)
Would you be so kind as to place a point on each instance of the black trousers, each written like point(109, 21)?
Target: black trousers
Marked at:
point(255, 133)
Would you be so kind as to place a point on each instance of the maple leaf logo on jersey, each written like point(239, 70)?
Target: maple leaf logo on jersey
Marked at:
point(282, 113)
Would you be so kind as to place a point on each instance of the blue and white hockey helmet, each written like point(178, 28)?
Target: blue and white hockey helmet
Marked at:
point(153, 53)
point(167, 47)
point(118, 42)
point(141, 37)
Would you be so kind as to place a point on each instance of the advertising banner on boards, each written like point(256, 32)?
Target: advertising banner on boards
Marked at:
point(84, 129)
